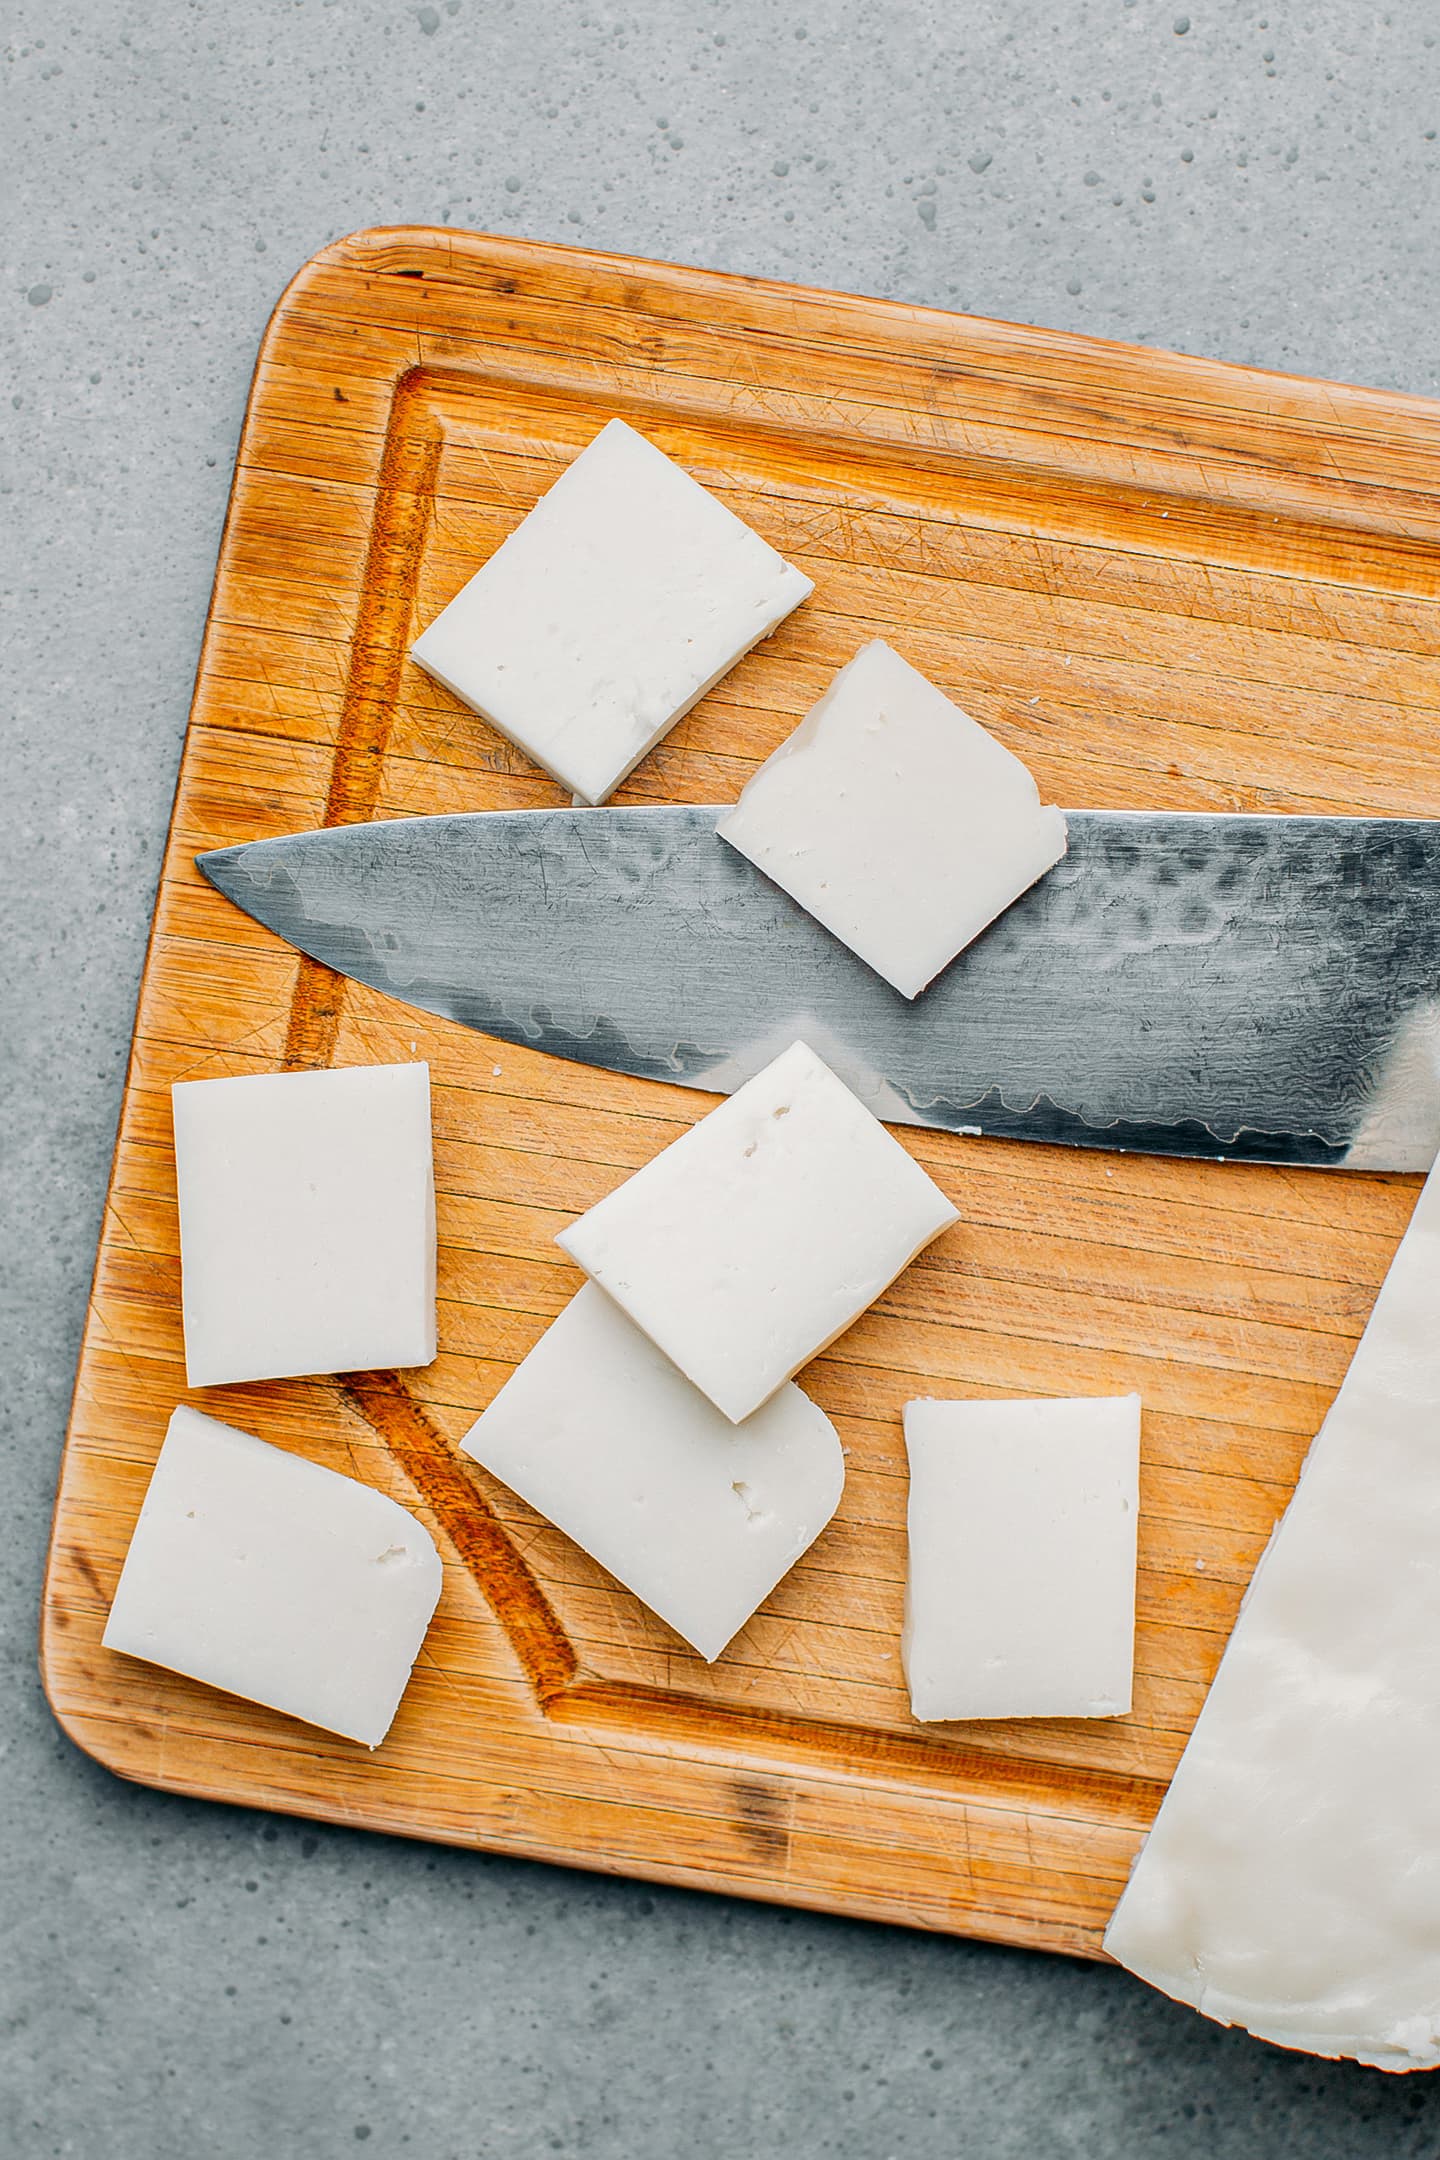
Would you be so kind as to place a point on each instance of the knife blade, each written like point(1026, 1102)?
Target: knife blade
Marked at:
point(1258, 988)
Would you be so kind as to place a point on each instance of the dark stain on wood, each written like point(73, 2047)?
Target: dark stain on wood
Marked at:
point(763, 1814)
point(85, 1567)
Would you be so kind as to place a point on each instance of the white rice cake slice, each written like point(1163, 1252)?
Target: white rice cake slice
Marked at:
point(896, 820)
point(624, 595)
point(1020, 1595)
point(756, 1238)
point(699, 1517)
point(258, 1572)
point(307, 1222)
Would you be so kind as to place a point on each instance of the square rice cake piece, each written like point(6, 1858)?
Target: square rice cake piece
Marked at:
point(623, 596)
point(307, 1222)
point(271, 1577)
point(1020, 1593)
point(756, 1238)
point(895, 820)
point(698, 1517)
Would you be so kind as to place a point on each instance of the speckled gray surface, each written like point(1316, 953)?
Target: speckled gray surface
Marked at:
point(180, 1981)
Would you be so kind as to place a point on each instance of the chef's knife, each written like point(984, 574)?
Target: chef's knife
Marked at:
point(1265, 988)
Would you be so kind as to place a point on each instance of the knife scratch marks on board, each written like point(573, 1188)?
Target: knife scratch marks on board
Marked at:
point(473, 445)
point(432, 1664)
point(161, 1273)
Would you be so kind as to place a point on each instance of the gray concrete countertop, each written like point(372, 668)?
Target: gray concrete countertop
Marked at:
point(1258, 182)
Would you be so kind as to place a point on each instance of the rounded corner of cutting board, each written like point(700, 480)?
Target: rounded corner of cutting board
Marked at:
point(92, 1735)
point(400, 251)
point(363, 251)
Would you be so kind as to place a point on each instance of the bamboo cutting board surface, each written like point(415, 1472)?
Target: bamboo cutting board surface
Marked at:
point(1162, 581)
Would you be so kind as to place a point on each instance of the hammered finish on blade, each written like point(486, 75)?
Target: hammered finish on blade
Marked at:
point(1265, 988)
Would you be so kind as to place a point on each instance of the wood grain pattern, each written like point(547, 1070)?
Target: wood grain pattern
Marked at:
point(1163, 582)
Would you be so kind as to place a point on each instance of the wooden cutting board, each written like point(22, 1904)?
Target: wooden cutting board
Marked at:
point(1161, 581)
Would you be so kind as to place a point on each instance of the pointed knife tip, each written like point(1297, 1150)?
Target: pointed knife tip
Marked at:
point(211, 861)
